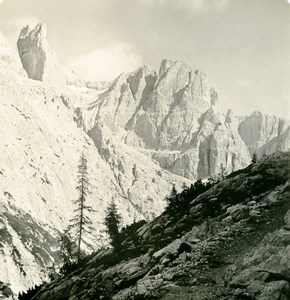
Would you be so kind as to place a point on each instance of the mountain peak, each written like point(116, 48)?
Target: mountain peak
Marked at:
point(168, 63)
point(38, 60)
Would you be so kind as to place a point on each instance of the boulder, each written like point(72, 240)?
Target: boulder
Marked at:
point(5, 292)
point(278, 265)
point(255, 287)
point(287, 218)
point(184, 247)
point(282, 238)
point(169, 250)
point(275, 290)
point(271, 198)
point(239, 212)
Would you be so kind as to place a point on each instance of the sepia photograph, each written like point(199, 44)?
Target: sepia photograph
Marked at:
point(145, 149)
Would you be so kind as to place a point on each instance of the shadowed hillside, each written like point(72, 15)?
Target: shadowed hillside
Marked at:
point(230, 242)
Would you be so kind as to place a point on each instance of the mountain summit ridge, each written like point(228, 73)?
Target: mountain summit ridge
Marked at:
point(173, 116)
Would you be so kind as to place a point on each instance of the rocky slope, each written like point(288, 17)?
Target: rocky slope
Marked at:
point(232, 242)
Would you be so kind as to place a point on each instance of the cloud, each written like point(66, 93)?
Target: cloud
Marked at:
point(106, 63)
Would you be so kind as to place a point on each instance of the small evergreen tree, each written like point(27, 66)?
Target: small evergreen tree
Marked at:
point(112, 223)
point(223, 172)
point(254, 158)
point(81, 225)
point(174, 201)
point(67, 248)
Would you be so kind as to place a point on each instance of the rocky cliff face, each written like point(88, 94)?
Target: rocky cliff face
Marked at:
point(38, 60)
point(174, 116)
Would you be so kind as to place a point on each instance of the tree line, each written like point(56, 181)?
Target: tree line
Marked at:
point(79, 232)
point(179, 203)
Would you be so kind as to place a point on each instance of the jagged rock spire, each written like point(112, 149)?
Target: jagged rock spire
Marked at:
point(38, 60)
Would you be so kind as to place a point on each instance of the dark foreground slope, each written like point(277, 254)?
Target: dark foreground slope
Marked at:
point(233, 242)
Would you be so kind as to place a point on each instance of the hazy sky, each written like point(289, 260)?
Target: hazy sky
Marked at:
point(243, 45)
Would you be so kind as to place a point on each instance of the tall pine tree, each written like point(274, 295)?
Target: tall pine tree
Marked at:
point(80, 225)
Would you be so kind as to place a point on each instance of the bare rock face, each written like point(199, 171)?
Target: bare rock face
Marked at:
point(38, 60)
point(168, 116)
point(40, 148)
point(173, 116)
point(265, 134)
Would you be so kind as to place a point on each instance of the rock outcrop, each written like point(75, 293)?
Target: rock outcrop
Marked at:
point(38, 60)
point(5, 292)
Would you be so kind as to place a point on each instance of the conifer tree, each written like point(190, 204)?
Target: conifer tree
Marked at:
point(113, 222)
point(174, 200)
point(80, 225)
point(254, 158)
point(67, 248)
point(223, 172)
